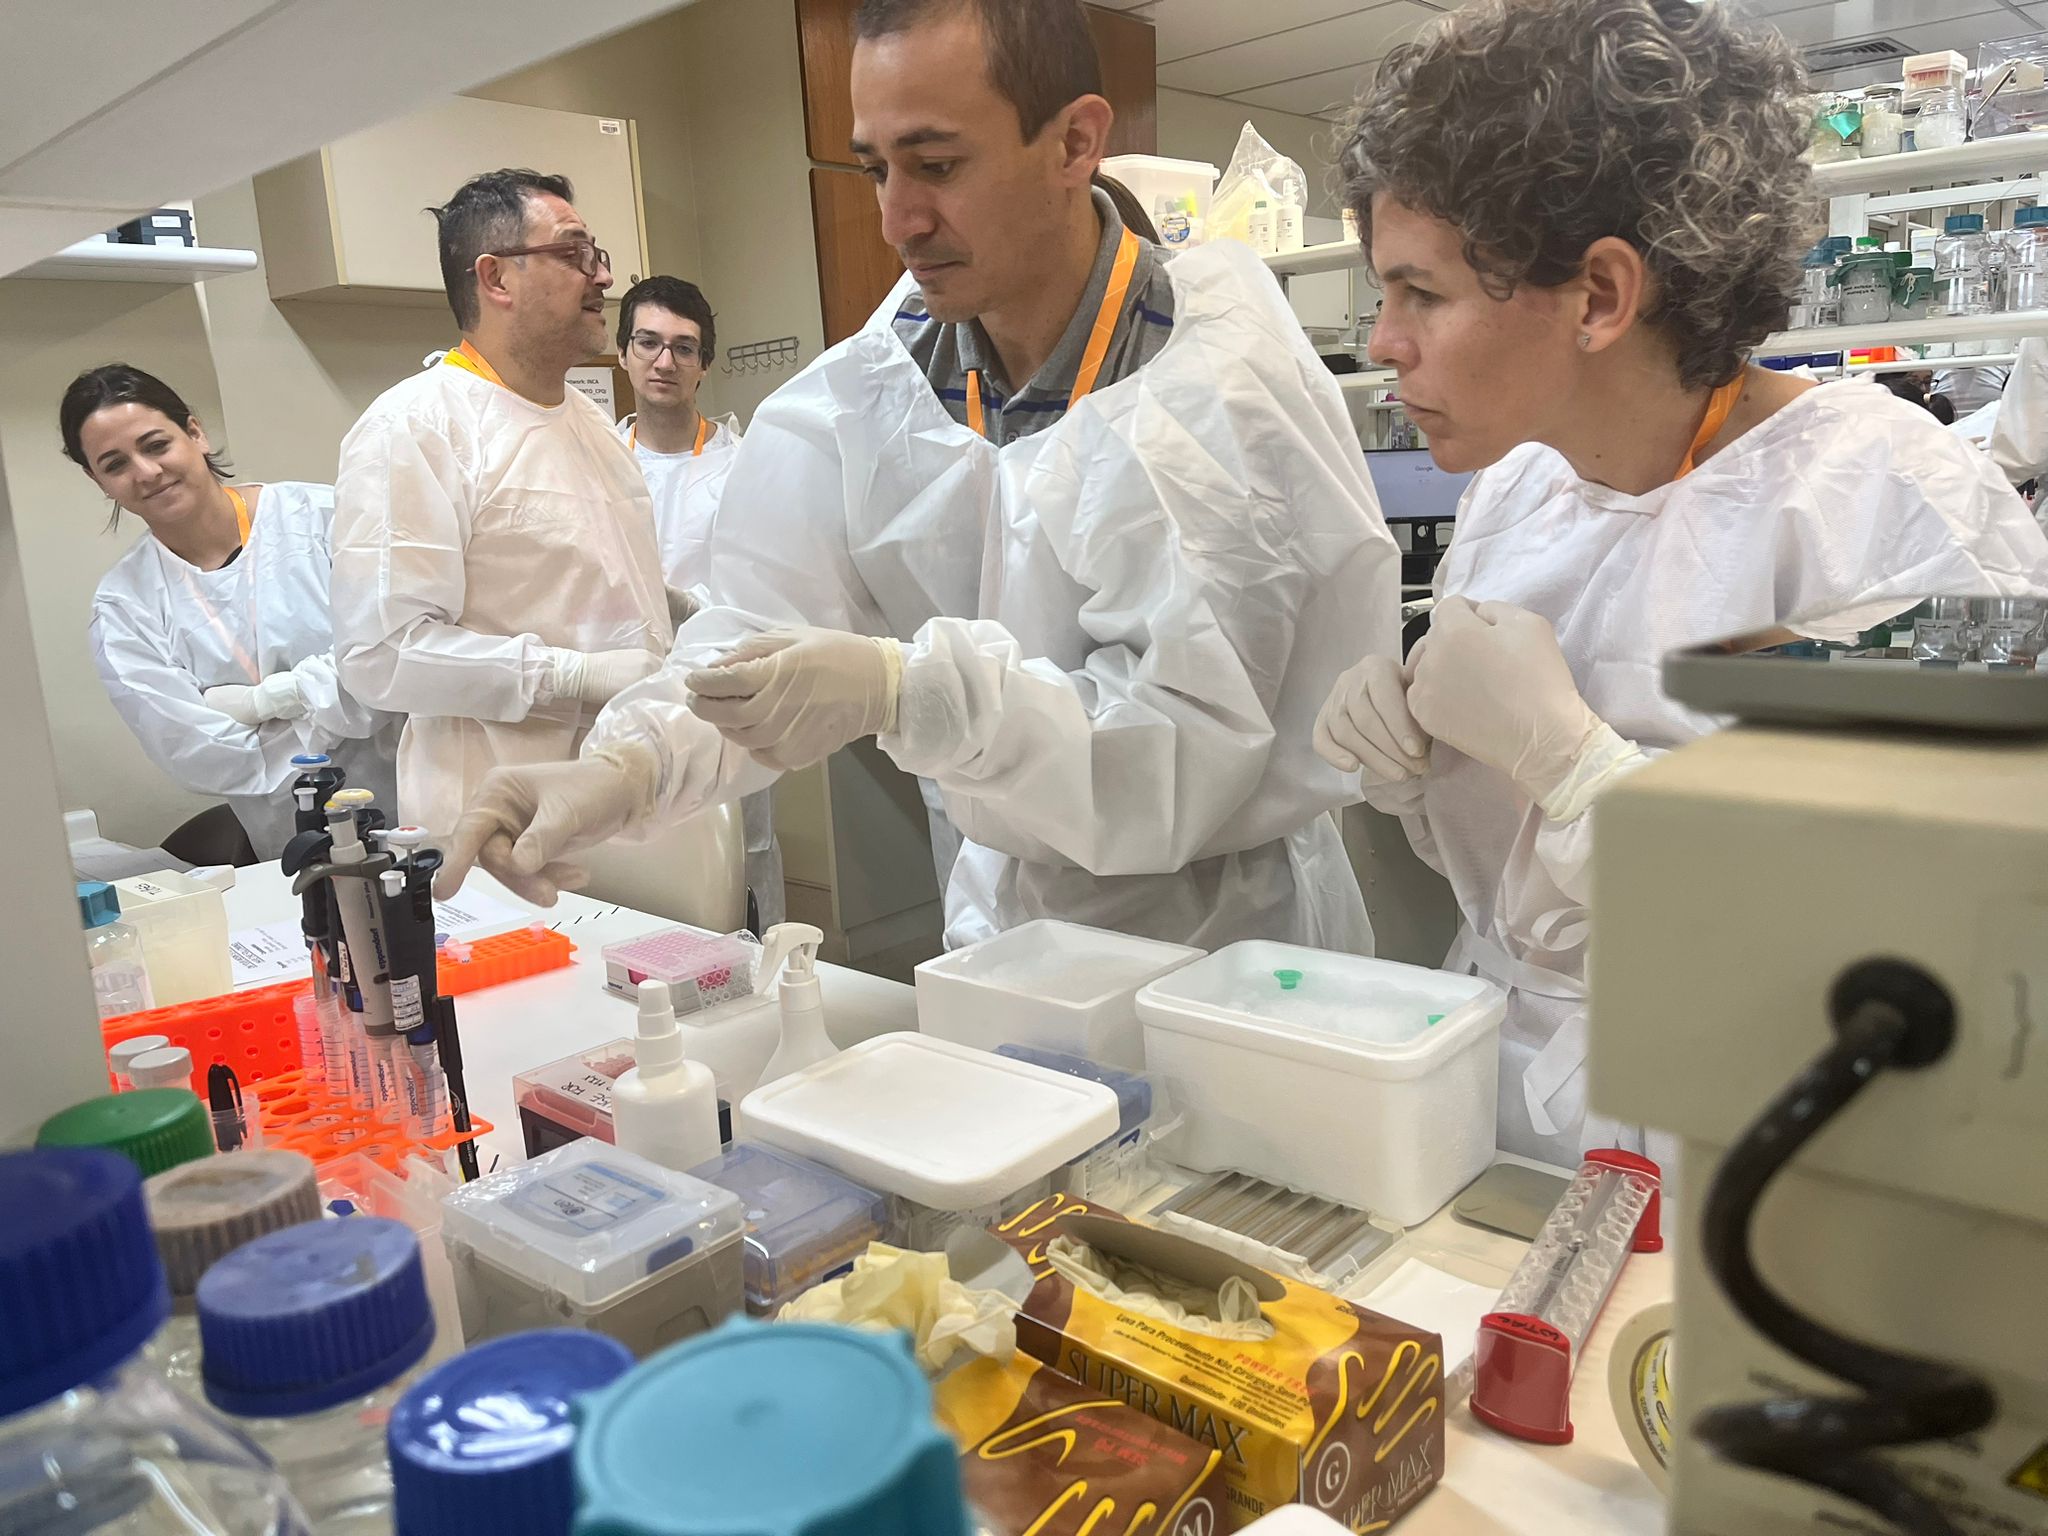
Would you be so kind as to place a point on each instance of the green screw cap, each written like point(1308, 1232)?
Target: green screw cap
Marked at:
point(1436, 1018)
point(154, 1128)
point(1288, 980)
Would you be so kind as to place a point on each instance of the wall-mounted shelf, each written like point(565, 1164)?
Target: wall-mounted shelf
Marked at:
point(2009, 156)
point(1333, 257)
point(105, 262)
point(1901, 333)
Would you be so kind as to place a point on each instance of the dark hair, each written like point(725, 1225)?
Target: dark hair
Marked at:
point(1041, 54)
point(1128, 208)
point(119, 384)
point(678, 297)
point(1536, 127)
point(487, 213)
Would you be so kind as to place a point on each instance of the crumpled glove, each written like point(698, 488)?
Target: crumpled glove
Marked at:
point(682, 606)
point(891, 1289)
point(592, 677)
point(524, 824)
point(277, 697)
point(1365, 725)
point(793, 697)
point(1491, 681)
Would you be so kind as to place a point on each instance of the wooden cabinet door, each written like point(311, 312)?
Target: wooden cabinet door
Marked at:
point(856, 266)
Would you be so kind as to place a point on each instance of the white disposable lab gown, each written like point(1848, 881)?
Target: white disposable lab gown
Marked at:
point(474, 530)
point(1840, 511)
point(1119, 628)
point(2018, 441)
point(686, 487)
point(164, 631)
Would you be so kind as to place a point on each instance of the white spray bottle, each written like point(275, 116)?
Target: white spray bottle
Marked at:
point(666, 1106)
point(804, 1040)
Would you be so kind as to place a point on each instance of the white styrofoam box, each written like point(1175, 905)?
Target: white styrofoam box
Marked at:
point(1154, 178)
point(1059, 986)
point(937, 1123)
point(1340, 1086)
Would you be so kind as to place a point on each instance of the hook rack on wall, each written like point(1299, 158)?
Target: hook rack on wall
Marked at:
point(761, 356)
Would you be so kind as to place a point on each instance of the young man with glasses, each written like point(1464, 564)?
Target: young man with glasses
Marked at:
point(668, 339)
point(496, 573)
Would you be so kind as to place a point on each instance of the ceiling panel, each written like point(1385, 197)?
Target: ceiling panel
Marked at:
point(1342, 40)
point(1874, 18)
point(1318, 95)
point(1189, 27)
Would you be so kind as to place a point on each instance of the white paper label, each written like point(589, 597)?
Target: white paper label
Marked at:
point(588, 1198)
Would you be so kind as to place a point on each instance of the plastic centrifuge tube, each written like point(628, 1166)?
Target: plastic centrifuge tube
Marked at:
point(1529, 1344)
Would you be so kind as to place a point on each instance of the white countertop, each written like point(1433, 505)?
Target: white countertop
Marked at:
point(521, 1024)
point(1492, 1485)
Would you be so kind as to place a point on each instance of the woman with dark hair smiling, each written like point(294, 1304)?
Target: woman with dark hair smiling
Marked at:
point(1586, 214)
point(211, 632)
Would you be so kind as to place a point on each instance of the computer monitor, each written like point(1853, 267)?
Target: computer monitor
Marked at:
point(1411, 488)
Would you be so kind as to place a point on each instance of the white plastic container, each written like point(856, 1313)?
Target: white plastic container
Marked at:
point(1366, 1081)
point(665, 1107)
point(183, 925)
point(592, 1236)
point(946, 1128)
point(1057, 986)
point(1260, 231)
point(1161, 185)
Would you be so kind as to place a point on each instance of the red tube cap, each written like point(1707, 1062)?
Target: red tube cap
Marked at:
point(1523, 1381)
point(1650, 1225)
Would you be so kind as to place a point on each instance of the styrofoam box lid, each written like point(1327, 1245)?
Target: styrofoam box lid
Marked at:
point(1366, 1017)
point(590, 1221)
point(1065, 964)
point(1159, 163)
point(942, 1124)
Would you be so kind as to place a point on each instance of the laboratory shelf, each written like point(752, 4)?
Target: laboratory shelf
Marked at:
point(1370, 378)
point(1901, 333)
point(2008, 156)
point(1333, 257)
point(104, 261)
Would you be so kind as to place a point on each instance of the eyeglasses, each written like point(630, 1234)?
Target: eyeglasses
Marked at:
point(648, 347)
point(587, 256)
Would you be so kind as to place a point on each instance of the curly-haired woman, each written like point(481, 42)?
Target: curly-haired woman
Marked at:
point(1585, 215)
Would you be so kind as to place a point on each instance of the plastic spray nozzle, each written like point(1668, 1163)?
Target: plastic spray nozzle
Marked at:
point(795, 942)
point(1288, 980)
point(657, 1042)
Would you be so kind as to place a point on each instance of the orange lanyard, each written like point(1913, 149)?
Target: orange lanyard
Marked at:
point(241, 512)
point(467, 358)
point(1719, 404)
point(703, 431)
point(1097, 351)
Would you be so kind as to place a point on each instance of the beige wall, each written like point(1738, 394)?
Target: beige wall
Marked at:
point(1193, 127)
point(279, 385)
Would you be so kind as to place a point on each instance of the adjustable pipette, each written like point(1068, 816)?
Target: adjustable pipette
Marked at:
point(425, 1019)
point(350, 871)
point(318, 781)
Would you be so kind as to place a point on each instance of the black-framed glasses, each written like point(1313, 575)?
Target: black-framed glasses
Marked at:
point(648, 347)
point(587, 256)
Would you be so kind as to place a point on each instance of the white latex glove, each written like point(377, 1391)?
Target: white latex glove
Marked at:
point(1492, 682)
point(524, 824)
point(592, 677)
point(793, 697)
point(275, 698)
point(1365, 725)
point(681, 606)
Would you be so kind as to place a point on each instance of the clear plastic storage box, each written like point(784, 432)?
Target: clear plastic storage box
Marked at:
point(1382, 1075)
point(804, 1223)
point(702, 969)
point(594, 1237)
point(1059, 986)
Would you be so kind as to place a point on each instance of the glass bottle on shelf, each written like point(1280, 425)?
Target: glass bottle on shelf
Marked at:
point(1963, 283)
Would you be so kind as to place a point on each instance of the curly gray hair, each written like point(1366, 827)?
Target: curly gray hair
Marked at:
point(1536, 127)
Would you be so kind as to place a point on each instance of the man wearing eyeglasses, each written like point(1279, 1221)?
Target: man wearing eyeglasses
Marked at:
point(668, 338)
point(496, 572)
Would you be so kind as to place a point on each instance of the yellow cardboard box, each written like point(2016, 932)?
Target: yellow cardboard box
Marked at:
point(1341, 1409)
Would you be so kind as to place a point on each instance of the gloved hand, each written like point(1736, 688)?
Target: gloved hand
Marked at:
point(523, 824)
point(275, 698)
point(681, 606)
point(592, 677)
point(1492, 682)
point(1365, 725)
point(795, 696)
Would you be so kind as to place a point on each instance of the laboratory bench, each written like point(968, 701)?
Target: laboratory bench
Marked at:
point(1492, 1485)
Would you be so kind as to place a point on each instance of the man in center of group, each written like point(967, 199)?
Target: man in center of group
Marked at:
point(1092, 534)
point(495, 571)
